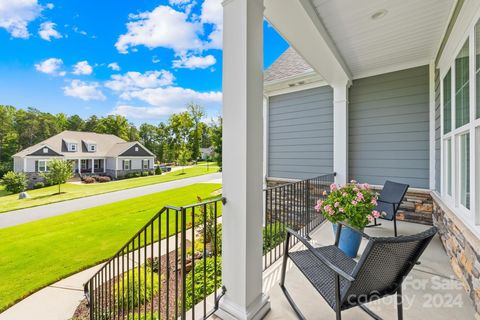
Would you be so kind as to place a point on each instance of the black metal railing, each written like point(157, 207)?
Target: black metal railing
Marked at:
point(170, 269)
point(291, 205)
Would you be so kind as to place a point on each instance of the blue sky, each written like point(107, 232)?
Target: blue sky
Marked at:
point(142, 59)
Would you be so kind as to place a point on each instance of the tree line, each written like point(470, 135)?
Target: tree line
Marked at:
point(181, 136)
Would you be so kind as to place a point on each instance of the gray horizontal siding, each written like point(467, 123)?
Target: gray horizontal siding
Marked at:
point(389, 128)
point(301, 134)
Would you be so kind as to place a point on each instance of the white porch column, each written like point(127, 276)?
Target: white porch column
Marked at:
point(93, 167)
point(242, 160)
point(79, 166)
point(340, 133)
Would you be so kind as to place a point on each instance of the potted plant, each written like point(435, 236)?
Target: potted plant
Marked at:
point(353, 204)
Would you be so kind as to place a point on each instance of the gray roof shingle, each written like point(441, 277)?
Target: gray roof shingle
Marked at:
point(288, 65)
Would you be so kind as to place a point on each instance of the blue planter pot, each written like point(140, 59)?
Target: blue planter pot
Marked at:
point(349, 240)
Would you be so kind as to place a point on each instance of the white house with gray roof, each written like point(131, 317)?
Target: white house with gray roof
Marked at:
point(89, 152)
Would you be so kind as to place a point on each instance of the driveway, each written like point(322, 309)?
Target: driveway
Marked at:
point(13, 218)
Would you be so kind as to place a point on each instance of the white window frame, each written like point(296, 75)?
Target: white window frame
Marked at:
point(124, 167)
point(72, 147)
point(45, 150)
point(470, 216)
point(45, 165)
point(92, 148)
point(145, 162)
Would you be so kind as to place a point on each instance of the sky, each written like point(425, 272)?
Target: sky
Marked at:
point(142, 59)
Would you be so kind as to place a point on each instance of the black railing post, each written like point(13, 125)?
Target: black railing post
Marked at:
point(184, 262)
point(307, 203)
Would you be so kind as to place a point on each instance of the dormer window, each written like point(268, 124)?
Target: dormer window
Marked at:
point(72, 147)
point(92, 147)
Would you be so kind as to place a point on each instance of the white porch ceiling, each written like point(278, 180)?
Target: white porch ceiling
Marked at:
point(408, 35)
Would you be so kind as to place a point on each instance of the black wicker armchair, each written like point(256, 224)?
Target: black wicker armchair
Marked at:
point(345, 283)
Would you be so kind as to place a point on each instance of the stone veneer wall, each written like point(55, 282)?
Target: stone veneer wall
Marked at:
point(416, 207)
point(463, 248)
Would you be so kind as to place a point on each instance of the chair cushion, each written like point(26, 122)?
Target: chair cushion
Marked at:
point(320, 276)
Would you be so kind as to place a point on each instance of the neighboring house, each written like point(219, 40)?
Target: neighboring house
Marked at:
point(206, 153)
point(90, 153)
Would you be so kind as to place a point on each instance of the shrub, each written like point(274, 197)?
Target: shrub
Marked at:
point(88, 180)
point(127, 293)
point(137, 174)
point(151, 173)
point(273, 234)
point(153, 264)
point(38, 185)
point(144, 173)
point(129, 175)
point(15, 182)
point(199, 278)
point(103, 179)
point(158, 171)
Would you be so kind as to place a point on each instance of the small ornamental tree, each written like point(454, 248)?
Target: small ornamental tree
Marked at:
point(59, 171)
point(184, 156)
point(352, 203)
point(15, 182)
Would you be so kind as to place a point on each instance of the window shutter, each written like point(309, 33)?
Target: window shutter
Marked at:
point(130, 165)
point(36, 165)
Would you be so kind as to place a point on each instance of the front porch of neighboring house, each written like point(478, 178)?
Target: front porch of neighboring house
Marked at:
point(89, 165)
point(391, 94)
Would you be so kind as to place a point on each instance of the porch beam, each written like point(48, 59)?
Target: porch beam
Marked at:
point(299, 24)
point(340, 133)
point(242, 161)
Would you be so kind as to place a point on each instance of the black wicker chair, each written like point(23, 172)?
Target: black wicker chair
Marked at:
point(389, 201)
point(345, 283)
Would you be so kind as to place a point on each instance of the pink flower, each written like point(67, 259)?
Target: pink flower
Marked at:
point(355, 189)
point(341, 210)
point(333, 187)
point(318, 207)
point(354, 202)
point(370, 218)
point(366, 186)
point(344, 194)
point(337, 204)
point(360, 195)
point(375, 214)
point(374, 201)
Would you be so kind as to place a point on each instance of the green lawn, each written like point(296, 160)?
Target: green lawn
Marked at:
point(73, 191)
point(39, 253)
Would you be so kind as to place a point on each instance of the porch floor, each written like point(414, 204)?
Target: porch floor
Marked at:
point(430, 292)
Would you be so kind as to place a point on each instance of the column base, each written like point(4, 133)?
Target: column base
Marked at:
point(255, 311)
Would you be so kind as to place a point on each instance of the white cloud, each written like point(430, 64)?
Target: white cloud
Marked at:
point(212, 13)
point(51, 66)
point(132, 80)
point(165, 101)
point(50, 6)
point(175, 97)
point(82, 68)
point(15, 15)
point(194, 62)
point(179, 2)
point(84, 90)
point(143, 112)
point(162, 27)
point(114, 66)
point(47, 31)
